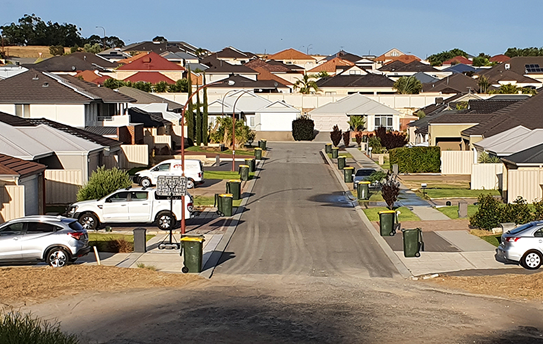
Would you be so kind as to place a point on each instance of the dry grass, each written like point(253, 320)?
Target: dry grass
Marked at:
point(24, 285)
point(433, 181)
point(30, 51)
point(509, 286)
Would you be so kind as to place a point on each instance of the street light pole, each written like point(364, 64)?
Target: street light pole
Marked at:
point(104, 37)
point(234, 130)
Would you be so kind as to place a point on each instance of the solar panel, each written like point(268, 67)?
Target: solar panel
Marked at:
point(533, 68)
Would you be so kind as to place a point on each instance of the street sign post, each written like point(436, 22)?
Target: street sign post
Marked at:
point(172, 186)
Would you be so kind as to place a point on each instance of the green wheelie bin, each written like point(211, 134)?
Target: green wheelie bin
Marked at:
point(341, 162)
point(387, 219)
point(251, 163)
point(412, 242)
point(244, 172)
point(258, 153)
point(234, 187)
point(335, 152)
point(328, 148)
point(223, 202)
point(262, 144)
point(363, 190)
point(348, 174)
point(192, 246)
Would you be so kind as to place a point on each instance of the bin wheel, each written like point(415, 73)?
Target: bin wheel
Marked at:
point(392, 233)
point(417, 254)
point(184, 270)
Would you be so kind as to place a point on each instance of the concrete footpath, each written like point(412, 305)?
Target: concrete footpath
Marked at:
point(444, 251)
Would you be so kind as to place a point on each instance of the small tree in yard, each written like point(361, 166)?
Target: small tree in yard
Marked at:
point(335, 135)
point(103, 182)
point(391, 139)
point(358, 138)
point(347, 138)
point(488, 215)
point(390, 190)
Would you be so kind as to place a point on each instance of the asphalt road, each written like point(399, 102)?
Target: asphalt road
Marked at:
point(298, 222)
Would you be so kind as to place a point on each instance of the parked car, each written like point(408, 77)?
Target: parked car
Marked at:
point(362, 174)
point(194, 172)
point(523, 245)
point(131, 205)
point(56, 240)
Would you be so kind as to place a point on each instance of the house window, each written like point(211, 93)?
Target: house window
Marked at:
point(355, 72)
point(251, 121)
point(386, 121)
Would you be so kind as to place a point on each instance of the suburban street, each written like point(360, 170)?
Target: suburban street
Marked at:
point(300, 223)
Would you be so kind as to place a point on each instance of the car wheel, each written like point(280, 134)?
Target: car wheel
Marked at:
point(57, 258)
point(531, 260)
point(145, 182)
point(165, 221)
point(190, 183)
point(88, 221)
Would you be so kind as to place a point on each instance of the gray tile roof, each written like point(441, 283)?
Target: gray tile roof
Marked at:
point(142, 97)
point(74, 62)
point(530, 156)
point(456, 83)
point(369, 80)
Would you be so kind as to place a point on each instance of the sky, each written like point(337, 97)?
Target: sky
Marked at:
point(320, 27)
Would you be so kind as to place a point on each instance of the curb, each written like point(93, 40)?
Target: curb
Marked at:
point(402, 269)
point(211, 263)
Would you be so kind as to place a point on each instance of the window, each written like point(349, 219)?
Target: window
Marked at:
point(118, 197)
point(16, 228)
point(162, 167)
point(539, 233)
point(386, 121)
point(251, 121)
point(40, 227)
point(139, 196)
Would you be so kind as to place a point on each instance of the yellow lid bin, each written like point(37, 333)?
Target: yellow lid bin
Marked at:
point(387, 212)
point(366, 182)
point(226, 195)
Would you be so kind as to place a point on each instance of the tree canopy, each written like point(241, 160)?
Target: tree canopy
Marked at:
point(306, 84)
point(408, 85)
point(438, 59)
point(533, 51)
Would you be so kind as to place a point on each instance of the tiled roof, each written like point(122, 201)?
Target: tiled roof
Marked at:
point(150, 77)
point(148, 119)
point(488, 106)
point(345, 56)
point(369, 80)
point(414, 66)
point(499, 58)
point(515, 64)
point(509, 75)
point(460, 68)
point(456, 83)
point(458, 59)
point(242, 82)
point(402, 58)
point(74, 62)
point(151, 61)
point(105, 94)
point(271, 67)
point(264, 74)
point(461, 118)
point(15, 166)
point(132, 58)
point(291, 67)
point(232, 53)
point(331, 65)
point(290, 54)
point(87, 75)
point(220, 66)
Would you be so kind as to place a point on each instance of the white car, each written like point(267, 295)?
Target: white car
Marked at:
point(172, 167)
point(131, 205)
point(523, 245)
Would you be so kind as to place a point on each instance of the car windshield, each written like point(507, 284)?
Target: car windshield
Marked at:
point(522, 228)
point(364, 173)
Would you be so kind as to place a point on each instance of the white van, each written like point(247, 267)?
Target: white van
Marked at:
point(194, 172)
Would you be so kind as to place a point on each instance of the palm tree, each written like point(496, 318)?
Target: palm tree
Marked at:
point(483, 83)
point(305, 84)
point(356, 122)
point(408, 85)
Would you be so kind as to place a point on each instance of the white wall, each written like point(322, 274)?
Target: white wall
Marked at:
point(8, 108)
point(276, 121)
point(73, 115)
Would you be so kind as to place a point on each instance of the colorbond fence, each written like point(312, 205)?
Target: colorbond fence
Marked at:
point(486, 176)
point(525, 183)
point(61, 186)
point(12, 202)
point(456, 162)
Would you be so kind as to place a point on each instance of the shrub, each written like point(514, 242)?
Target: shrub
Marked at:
point(538, 210)
point(416, 159)
point(517, 212)
point(390, 189)
point(303, 129)
point(56, 50)
point(485, 158)
point(103, 182)
point(16, 328)
point(391, 139)
point(335, 135)
point(347, 138)
point(375, 143)
point(488, 215)
point(377, 177)
point(358, 138)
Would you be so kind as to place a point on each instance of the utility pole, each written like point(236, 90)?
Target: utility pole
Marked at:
point(103, 38)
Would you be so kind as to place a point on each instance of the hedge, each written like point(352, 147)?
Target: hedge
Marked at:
point(416, 159)
point(303, 129)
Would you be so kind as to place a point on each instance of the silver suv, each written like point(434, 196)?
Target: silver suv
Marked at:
point(56, 240)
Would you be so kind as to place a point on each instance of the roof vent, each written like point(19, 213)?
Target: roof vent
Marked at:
point(36, 77)
point(507, 66)
point(45, 84)
point(73, 67)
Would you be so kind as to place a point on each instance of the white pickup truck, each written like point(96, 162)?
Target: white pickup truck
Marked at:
point(131, 205)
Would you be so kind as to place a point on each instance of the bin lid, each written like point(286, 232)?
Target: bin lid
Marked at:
point(226, 195)
point(328, 144)
point(387, 212)
point(348, 168)
point(335, 147)
point(341, 157)
point(198, 238)
point(244, 166)
point(364, 182)
point(258, 148)
point(235, 181)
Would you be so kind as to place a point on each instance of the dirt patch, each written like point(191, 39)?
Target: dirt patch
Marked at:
point(512, 286)
point(27, 285)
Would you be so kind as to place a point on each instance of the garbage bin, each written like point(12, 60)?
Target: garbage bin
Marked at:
point(140, 240)
point(223, 202)
point(262, 144)
point(348, 174)
point(341, 162)
point(387, 218)
point(363, 190)
point(258, 153)
point(192, 246)
point(243, 172)
point(234, 187)
point(412, 242)
point(251, 163)
point(334, 152)
point(328, 148)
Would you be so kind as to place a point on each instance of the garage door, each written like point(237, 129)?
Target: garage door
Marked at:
point(327, 122)
point(31, 195)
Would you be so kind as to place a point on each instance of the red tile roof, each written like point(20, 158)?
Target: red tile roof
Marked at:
point(100, 80)
point(457, 60)
point(151, 61)
point(132, 59)
point(264, 74)
point(290, 54)
point(151, 77)
point(403, 58)
point(499, 58)
point(331, 66)
point(18, 167)
point(87, 75)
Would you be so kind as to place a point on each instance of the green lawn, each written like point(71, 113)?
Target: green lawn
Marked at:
point(492, 239)
point(374, 196)
point(198, 149)
point(405, 214)
point(113, 242)
point(457, 193)
point(209, 201)
point(224, 175)
point(452, 211)
point(345, 154)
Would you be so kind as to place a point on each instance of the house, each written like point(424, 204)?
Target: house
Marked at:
point(500, 58)
point(294, 57)
point(92, 76)
point(238, 82)
point(271, 120)
point(395, 55)
point(457, 60)
point(425, 78)
point(363, 84)
point(362, 62)
point(160, 47)
point(282, 73)
point(331, 67)
point(529, 66)
point(233, 56)
point(397, 69)
point(454, 84)
point(219, 70)
point(22, 188)
point(375, 114)
point(510, 141)
point(460, 68)
point(150, 77)
point(113, 54)
point(508, 77)
point(181, 58)
point(72, 63)
point(150, 62)
point(64, 99)
point(523, 175)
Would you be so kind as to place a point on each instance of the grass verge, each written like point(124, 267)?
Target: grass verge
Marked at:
point(16, 327)
point(113, 242)
point(209, 201)
point(345, 154)
point(224, 175)
point(494, 239)
point(455, 193)
point(216, 150)
point(452, 211)
point(405, 214)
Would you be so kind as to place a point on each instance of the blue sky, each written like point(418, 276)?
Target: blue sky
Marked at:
point(322, 27)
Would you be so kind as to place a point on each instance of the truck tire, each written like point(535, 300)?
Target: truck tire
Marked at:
point(165, 220)
point(190, 183)
point(88, 221)
point(145, 182)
